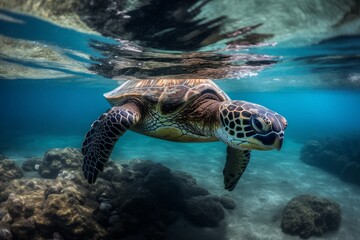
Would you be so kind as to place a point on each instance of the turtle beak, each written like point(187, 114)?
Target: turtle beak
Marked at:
point(279, 141)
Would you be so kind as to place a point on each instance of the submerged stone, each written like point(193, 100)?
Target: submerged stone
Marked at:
point(30, 164)
point(141, 198)
point(9, 171)
point(58, 159)
point(57, 236)
point(309, 215)
point(36, 211)
point(227, 202)
point(204, 211)
point(340, 156)
point(105, 207)
point(23, 228)
point(351, 173)
point(5, 231)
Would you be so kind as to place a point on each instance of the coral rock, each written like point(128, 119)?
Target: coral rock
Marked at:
point(58, 159)
point(351, 173)
point(227, 202)
point(36, 212)
point(149, 197)
point(204, 211)
point(307, 215)
point(9, 171)
point(30, 164)
point(340, 156)
point(189, 186)
point(5, 231)
point(23, 228)
point(141, 198)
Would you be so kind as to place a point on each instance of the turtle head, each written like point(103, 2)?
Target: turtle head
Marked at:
point(246, 125)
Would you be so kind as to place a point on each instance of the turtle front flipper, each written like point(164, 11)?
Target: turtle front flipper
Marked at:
point(236, 163)
point(102, 136)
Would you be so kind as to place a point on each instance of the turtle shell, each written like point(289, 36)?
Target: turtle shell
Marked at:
point(165, 95)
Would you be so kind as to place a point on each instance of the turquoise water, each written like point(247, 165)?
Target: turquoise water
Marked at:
point(51, 102)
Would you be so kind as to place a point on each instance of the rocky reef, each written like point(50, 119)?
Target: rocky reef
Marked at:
point(9, 171)
point(31, 164)
point(340, 156)
point(139, 198)
point(58, 159)
point(37, 208)
point(309, 215)
point(150, 197)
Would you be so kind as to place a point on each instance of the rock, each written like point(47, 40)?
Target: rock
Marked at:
point(6, 218)
point(335, 144)
point(9, 171)
point(114, 219)
point(172, 187)
point(36, 211)
point(111, 172)
point(351, 173)
point(340, 156)
point(167, 188)
point(23, 228)
point(313, 153)
point(105, 207)
point(18, 209)
point(141, 198)
point(57, 236)
point(189, 186)
point(308, 215)
point(2, 156)
point(149, 197)
point(65, 175)
point(30, 164)
point(52, 189)
point(59, 159)
point(144, 167)
point(5, 231)
point(204, 211)
point(332, 161)
point(139, 211)
point(31, 184)
point(227, 202)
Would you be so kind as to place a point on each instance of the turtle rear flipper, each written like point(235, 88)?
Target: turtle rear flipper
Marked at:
point(236, 163)
point(102, 136)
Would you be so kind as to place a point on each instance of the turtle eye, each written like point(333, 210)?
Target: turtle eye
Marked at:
point(259, 124)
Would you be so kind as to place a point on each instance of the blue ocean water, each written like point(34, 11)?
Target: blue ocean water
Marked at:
point(315, 86)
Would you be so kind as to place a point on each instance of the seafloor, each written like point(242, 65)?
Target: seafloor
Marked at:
point(270, 181)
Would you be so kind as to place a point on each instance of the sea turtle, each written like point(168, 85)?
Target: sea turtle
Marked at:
point(192, 110)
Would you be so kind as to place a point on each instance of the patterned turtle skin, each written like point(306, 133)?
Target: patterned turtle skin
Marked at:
point(192, 110)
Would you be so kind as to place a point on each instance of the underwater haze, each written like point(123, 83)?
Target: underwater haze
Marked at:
point(301, 60)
